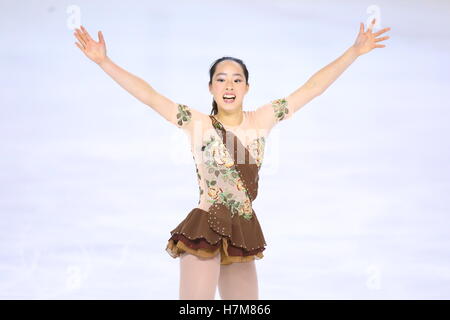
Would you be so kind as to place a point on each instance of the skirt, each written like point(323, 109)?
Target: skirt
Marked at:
point(208, 233)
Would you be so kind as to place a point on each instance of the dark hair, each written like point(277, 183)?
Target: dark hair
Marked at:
point(213, 69)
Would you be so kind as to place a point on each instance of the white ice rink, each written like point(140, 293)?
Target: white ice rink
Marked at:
point(354, 191)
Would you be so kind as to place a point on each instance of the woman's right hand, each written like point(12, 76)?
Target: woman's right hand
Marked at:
point(96, 51)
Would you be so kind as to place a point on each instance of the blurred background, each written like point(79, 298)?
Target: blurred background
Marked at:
point(353, 196)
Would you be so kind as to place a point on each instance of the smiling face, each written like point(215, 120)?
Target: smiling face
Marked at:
point(228, 79)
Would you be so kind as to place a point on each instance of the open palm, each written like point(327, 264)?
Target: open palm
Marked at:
point(96, 51)
point(366, 40)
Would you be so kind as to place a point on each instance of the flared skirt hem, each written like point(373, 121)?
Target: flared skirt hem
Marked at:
point(178, 245)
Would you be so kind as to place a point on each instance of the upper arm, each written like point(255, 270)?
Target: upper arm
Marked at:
point(181, 115)
point(275, 111)
point(303, 95)
point(271, 113)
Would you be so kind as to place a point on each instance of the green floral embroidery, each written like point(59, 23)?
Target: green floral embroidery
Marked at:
point(208, 143)
point(201, 192)
point(196, 170)
point(217, 195)
point(199, 180)
point(280, 108)
point(217, 125)
point(184, 114)
point(224, 165)
point(257, 149)
point(219, 163)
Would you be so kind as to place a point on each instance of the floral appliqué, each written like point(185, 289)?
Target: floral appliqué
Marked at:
point(256, 147)
point(220, 163)
point(280, 108)
point(198, 180)
point(242, 208)
point(184, 114)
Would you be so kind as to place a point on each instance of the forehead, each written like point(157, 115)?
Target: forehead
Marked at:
point(228, 67)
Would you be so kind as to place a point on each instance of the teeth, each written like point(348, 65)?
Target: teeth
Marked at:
point(229, 96)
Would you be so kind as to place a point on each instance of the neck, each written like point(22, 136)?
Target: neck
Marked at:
point(230, 119)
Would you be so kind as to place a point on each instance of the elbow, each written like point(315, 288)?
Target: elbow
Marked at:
point(317, 91)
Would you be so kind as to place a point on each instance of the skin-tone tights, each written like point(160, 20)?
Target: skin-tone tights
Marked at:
point(199, 278)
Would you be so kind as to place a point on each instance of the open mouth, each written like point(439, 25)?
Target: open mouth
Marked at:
point(229, 98)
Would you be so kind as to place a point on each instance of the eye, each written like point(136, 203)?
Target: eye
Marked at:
point(235, 80)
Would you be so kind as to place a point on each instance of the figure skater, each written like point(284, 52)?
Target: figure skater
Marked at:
point(219, 240)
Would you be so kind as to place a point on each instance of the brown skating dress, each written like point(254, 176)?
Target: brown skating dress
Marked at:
point(227, 161)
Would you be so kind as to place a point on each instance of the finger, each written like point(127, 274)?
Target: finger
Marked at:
point(86, 33)
point(376, 34)
point(83, 36)
point(79, 46)
point(78, 36)
point(380, 46)
point(100, 37)
point(381, 39)
point(371, 25)
point(361, 27)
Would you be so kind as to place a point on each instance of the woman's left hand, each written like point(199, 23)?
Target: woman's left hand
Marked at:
point(366, 40)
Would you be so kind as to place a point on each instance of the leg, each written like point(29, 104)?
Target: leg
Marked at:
point(198, 277)
point(238, 281)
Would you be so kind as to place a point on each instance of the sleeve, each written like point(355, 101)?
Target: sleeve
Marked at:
point(272, 113)
point(185, 117)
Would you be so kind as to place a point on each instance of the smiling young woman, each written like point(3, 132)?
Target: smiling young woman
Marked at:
point(220, 239)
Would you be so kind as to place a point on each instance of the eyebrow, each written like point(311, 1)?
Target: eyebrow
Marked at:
point(234, 74)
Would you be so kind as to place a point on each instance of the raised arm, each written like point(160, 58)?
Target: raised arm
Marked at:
point(322, 79)
point(271, 113)
point(178, 114)
point(141, 90)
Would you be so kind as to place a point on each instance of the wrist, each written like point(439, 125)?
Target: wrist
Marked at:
point(103, 62)
point(354, 52)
